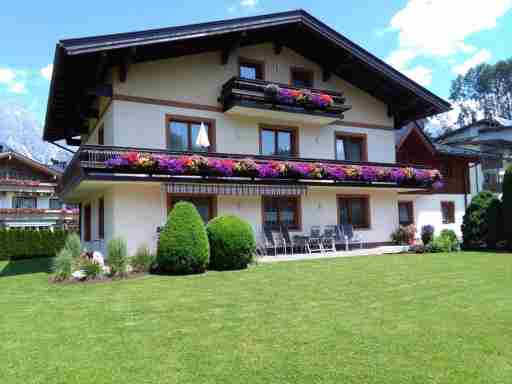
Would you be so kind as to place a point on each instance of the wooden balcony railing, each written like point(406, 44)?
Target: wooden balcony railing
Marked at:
point(276, 96)
point(116, 162)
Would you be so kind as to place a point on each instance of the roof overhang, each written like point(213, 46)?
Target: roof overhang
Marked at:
point(29, 162)
point(80, 65)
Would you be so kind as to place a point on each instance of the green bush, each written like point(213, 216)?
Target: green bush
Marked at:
point(63, 264)
point(92, 270)
point(507, 206)
point(73, 245)
point(143, 260)
point(427, 234)
point(404, 235)
point(19, 243)
point(494, 222)
point(474, 224)
point(446, 242)
point(183, 245)
point(232, 243)
point(117, 256)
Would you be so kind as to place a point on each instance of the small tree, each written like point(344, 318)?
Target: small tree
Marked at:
point(494, 220)
point(507, 206)
point(183, 246)
point(474, 224)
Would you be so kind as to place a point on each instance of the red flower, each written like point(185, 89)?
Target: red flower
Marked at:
point(326, 98)
point(132, 157)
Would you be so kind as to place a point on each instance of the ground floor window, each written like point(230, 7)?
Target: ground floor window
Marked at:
point(405, 212)
point(448, 211)
point(205, 205)
point(282, 210)
point(24, 202)
point(87, 223)
point(354, 210)
point(55, 203)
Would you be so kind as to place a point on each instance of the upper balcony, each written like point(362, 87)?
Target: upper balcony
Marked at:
point(112, 164)
point(257, 98)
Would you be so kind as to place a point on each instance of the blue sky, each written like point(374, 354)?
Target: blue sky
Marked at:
point(429, 40)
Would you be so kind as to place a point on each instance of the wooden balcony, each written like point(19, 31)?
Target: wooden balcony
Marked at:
point(257, 98)
point(102, 163)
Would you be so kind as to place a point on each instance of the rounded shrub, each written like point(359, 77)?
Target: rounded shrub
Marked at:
point(232, 243)
point(183, 245)
point(474, 224)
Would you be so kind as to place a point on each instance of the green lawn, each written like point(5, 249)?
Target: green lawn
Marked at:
point(384, 319)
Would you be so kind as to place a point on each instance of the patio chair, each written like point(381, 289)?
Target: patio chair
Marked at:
point(315, 239)
point(286, 238)
point(302, 243)
point(329, 238)
point(261, 248)
point(351, 237)
point(271, 241)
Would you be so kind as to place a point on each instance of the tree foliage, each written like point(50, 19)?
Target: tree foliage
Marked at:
point(507, 206)
point(474, 224)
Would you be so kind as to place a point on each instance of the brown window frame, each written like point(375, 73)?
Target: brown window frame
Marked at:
point(410, 210)
point(101, 218)
point(297, 224)
point(101, 134)
point(308, 72)
point(31, 198)
point(450, 206)
point(87, 222)
point(191, 120)
point(366, 206)
point(351, 136)
point(258, 64)
point(278, 128)
point(212, 201)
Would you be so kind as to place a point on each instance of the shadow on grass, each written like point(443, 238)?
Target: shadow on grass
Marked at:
point(25, 267)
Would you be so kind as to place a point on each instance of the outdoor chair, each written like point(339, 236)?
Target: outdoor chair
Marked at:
point(302, 243)
point(329, 238)
point(286, 239)
point(316, 240)
point(351, 237)
point(274, 241)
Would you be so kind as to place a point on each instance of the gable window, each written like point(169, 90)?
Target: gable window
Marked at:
point(351, 147)
point(448, 212)
point(182, 134)
point(354, 210)
point(55, 203)
point(283, 210)
point(26, 202)
point(101, 218)
point(278, 141)
point(205, 205)
point(250, 69)
point(301, 78)
point(405, 212)
point(87, 223)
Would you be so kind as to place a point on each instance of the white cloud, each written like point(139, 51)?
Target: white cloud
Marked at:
point(248, 3)
point(480, 57)
point(13, 79)
point(47, 71)
point(7, 75)
point(244, 6)
point(420, 74)
point(17, 87)
point(401, 57)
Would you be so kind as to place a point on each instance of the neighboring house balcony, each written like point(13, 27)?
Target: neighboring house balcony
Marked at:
point(258, 98)
point(121, 164)
point(16, 185)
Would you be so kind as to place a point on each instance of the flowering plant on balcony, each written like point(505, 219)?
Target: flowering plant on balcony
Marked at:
point(303, 97)
point(221, 167)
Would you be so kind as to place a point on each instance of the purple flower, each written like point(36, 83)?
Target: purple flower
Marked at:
point(421, 175)
point(301, 169)
point(438, 185)
point(117, 162)
point(397, 175)
point(368, 173)
point(222, 167)
point(336, 173)
point(266, 170)
point(173, 166)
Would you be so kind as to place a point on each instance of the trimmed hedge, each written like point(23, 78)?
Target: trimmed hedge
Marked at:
point(17, 243)
point(232, 243)
point(183, 246)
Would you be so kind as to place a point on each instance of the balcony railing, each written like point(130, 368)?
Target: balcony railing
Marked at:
point(281, 97)
point(100, 162)
point(16, 212)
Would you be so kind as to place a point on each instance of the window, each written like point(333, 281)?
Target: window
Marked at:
point(205, 205)
point(405, 212)
point(446, 170)
point(279, 211)
point(448, 211)
point(301, 78)
point(354, 210)
point(87, 223)
point(278, 141)
point(351, 147)
point(182, 134)
point(251, 69)
point(101, 135)
point(24, 202)
point(101, 218)
point(55, 203)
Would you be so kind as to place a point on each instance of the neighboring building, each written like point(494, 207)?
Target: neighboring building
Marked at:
point(127, 97)
point(27, 195)
point(443, 208)
point(492, 137)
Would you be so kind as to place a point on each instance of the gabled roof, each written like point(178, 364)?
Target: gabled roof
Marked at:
point(490, 124)
point(30, 162)
point(80, 64)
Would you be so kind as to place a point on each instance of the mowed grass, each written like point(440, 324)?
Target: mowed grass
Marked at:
point(383, 319)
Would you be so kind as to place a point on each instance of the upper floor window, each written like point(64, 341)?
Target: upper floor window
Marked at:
point(55, 203)
point(351, 147)
point(448, 212)
point(182, 134)
point(301, 78)
point(251, 69)
point(354, 210)
point(278, 141)
point(24, 202)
